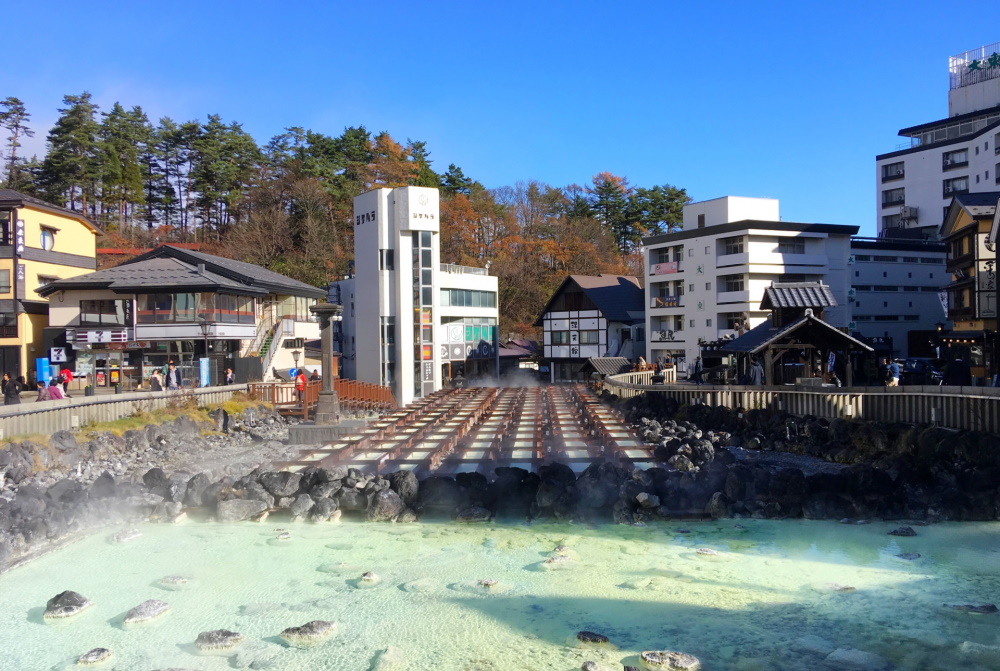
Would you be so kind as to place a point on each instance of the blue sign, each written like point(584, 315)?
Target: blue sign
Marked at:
point(42, 370)
point(203, 372)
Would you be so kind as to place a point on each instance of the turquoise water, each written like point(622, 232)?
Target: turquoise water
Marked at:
point(760, 603)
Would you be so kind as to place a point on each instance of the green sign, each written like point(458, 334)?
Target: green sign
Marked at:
point(985, 63)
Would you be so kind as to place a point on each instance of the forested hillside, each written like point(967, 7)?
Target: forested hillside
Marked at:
point(287, 204)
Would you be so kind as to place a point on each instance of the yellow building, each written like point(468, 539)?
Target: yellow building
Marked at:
point(39, 243)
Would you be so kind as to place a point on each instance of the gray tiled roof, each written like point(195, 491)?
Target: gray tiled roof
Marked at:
point(614, 295)
point(759, 337)
point(610, 365)
point(246, 273)
point(979, 204)
point(165, 274)
point(797, 295)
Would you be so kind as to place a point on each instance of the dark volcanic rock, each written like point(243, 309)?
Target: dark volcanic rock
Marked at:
point(66, 604)
point(903, 531)
point(281, 483)
point(385, 506)
point(237, 510)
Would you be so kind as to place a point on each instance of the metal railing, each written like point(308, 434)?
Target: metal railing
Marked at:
point(969, 408)
point(463, 270)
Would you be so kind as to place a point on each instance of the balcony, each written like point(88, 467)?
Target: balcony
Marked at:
point(456, 269)
point(899, 174)
point(732, 259)
point(961, 314)
point(8, 331)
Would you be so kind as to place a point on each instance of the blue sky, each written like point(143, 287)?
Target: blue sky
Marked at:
point(781, 100)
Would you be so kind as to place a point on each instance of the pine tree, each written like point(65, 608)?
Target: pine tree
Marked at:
point(14, 118)
point(123, 135)
point(70, 171)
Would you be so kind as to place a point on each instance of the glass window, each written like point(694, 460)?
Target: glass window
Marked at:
point(560, 337)
point(425, 258)
point(247, 312)
point(426, 296)
point(791, 246)
point(589, 337)
point(477, 299)
point(162, 304)
point(892, 171)
point(425, 239)
point(4, 281)
point(893, 196)
point(48, 238)
point(184, 307)
point(106, 313)
point(733, 245)
point(445, 297)
point(733, 282)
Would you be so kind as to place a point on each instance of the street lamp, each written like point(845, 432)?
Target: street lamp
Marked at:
point(205, 326)
point(295, 357)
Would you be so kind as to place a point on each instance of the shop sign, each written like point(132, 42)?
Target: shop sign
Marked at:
point(428, 371)
point(985, 63)
point(137, 344)
point(664, 268)
point(19, 236)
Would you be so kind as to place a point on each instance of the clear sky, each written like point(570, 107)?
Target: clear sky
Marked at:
point(787, 100)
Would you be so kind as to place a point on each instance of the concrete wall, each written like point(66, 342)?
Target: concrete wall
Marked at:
point(730, 208)
point(47, 417)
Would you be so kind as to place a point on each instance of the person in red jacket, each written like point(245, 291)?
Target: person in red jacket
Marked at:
point(300, 384)
point(66, 375)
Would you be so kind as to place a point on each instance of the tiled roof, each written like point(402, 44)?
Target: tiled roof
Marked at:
point(614, 295)
point(758, 338)
point(610, 365)
point(983, 204)
point(797, 295)
point(151, 275)
point(244, 273)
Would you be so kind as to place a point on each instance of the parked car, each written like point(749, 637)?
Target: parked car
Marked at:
point(916, 370)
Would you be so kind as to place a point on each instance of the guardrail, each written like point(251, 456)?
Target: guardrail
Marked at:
point(47, 417)
point(351, 394)
point(971, 408)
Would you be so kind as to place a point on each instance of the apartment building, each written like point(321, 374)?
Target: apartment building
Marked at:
point(707, 281)
point(946, 157)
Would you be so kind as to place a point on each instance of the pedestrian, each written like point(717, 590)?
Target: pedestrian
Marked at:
point(890, 372)
point(230, 377)
point(166, 367)
point(11, 390)
point(756, 375)
point(315, 376)
point(55, 393)
point(698, 368)
point(43, 391)
point(173, 377)
point(300, 384)
point(155, 380)
point(66, 375)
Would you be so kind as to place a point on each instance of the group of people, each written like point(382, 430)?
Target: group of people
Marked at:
point(55, 390)
point(169, 378)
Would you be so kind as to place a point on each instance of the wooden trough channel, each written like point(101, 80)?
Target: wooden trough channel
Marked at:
point(481, 428)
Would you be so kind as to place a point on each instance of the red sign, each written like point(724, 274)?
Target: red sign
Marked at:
point(664, 268)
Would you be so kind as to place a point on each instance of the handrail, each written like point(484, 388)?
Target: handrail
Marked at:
point(264, 326)
point(968, 408)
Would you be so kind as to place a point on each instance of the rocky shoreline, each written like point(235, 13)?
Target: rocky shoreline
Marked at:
point(785, 467)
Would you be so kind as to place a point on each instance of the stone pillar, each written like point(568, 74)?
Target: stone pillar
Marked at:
point(328, 406)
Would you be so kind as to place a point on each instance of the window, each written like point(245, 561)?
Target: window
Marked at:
point(690, 251)
point(955, 159)
point(891, 171)
point(733, 282)
point(886, 259)
point(701, 221)
point(862, 257)
point(387, 259)
point(708, 286)
point(791, 246)
point(732, 320)
point(691, 287)
point(48, 238)
point(661, 255)
point(893, 197)
point(891, 221)
point(708, 322)
point(692, 323)
point(708, 250)
point(191, 307)
point(4, 281)
point(733, 245)
point(106, 313)
point(589, 337)
point(468, 299)
point(955, 186)
point(560, 337)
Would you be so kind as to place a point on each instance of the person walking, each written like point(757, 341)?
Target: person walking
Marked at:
point(315, 376)
point(698, 369)
point(300, 384)
point(11, 390)
point(756, 375)
point(230, 377)
point(173, 377)
point(43, 391)
point(890, 372)
point(66, 375)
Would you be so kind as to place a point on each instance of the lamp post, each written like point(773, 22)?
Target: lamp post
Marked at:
point(205, 327)
point(295, 357)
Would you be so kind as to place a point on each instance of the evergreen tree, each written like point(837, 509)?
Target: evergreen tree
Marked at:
point(70, 171)
point(661, 208)
point(14, 119)
point(419, 155)
point(123, 136)
point(454, 181)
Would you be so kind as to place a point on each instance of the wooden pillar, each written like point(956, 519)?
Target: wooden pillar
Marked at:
point(849, 368)
point(768, 367)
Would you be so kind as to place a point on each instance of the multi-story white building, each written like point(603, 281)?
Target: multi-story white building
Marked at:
point(895, 286)
point(409, 321)
point(946, 157)
point(707, 281)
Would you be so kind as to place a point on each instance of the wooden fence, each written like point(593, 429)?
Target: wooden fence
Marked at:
point(973, 408)
point(47, 417)
point(352, 395)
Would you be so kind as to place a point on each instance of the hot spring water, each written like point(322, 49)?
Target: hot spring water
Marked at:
point(737, 594)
